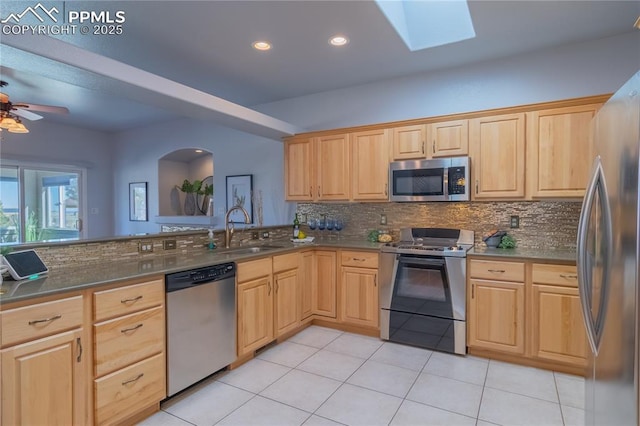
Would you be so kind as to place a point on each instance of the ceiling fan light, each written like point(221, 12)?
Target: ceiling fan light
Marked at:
point(18, 128)
point(8, 123)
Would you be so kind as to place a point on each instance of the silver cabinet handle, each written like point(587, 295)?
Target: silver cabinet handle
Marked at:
point(386, 189)
point(423, 147)
point(497, 271)
point(277, 286)
point(569, 276)
point(476, 186)
point(375, 280)
point(269, 288)
point(38, 321)
point(310, 191)
point(319, 191)
point(358, 259)
point(434, 147)
point(134, 328)
point(132, 300)
point(135, 379)
point(473, 290)
point(79, 344)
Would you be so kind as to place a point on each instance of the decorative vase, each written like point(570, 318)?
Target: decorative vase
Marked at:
point(189, 204)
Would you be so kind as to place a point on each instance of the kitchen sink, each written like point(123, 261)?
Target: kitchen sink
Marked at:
point(250, 250)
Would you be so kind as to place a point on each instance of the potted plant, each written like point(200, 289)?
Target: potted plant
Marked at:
point(190, 190)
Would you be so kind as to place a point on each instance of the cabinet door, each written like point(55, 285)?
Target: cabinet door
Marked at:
point(286, 300)
point(408, 142)
point(306, 283)
point(498, 153)
point(449, 138)
point(557, 328)
point(560, 150)
point(44, 383)
point(255, 314)
point(496, 316)
point(359, 296)
point(324, 290)
point(370, 165)
point(332, 167)
point(298, 172)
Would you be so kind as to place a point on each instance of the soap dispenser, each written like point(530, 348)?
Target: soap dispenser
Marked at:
point(212, 244)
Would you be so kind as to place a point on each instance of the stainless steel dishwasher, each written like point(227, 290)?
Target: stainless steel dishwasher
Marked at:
point(201, 324)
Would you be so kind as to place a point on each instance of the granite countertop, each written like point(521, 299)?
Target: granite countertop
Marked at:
point(559, 255)
point(80, 277)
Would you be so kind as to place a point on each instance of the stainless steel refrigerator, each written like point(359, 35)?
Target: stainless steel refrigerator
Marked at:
point(607, 261)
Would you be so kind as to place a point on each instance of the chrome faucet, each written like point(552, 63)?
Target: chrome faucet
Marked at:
point(228, 230)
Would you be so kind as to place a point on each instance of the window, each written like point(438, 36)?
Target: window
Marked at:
point(39, 204)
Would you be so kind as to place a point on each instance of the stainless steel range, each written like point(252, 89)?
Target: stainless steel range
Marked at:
point(423, 288)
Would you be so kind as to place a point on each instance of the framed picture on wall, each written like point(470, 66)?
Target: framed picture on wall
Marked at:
point(138, 202)
point(239, 190)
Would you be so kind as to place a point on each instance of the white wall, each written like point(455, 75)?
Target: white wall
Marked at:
point(51, 143)
point(234, 153)
point(569, 71)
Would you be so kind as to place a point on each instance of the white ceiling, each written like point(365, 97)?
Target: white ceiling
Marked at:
point(207, 45)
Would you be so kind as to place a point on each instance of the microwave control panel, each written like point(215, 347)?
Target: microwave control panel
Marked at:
point(457, 181)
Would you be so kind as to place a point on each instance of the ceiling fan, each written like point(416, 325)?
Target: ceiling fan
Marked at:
point(10, 113)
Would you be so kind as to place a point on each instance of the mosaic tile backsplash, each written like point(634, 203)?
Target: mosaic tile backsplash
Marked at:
point(543, 224)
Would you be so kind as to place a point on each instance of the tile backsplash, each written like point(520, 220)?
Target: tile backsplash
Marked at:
point(543, 224)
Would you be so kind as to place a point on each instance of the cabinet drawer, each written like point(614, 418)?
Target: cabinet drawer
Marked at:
point(254, 269)
point(129, 299)
point(362, 259)
point(285, 262)
point(127, 391)
point(125, 340)
point(43, 319)
point(565, 275)
point(493, 270)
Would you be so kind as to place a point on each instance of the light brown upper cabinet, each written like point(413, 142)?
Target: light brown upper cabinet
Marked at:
point(448, 139)
point(559, 150)
point(370, 165)
point(298, 172)
point(332, 164)
point(498, 156)
point(409, 142)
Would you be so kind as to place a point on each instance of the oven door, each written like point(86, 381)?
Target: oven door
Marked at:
point(421, 286)
point(424, 307)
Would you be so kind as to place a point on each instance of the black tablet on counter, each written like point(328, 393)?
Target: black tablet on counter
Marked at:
point(25, 264)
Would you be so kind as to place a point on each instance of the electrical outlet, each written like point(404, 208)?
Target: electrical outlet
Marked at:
point(145, 247)
point(515, 221)
point(383, 219)
point(302, 217)
point(255, 235)
point(169, 244)
point(265, 234)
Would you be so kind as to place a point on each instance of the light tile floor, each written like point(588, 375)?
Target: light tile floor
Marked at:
point(322, 376)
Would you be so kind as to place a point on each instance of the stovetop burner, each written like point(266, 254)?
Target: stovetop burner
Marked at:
point(432, 241)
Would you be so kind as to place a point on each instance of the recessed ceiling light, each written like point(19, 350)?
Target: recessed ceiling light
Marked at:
point(338, 40)
point(261, 45)
point(198, 151)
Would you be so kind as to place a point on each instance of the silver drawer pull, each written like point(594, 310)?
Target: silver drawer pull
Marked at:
point(498, 271)
point(135, 379)
point(569, 276)
point(53, 318)
point(358, 259)
point(134, 328)
point(132, 300)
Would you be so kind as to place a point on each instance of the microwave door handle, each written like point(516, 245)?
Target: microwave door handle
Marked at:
point(445, 183)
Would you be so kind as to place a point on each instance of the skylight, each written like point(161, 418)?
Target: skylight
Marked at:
point(428, 23)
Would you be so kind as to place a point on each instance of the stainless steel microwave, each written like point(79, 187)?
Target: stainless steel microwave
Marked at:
point(441, 179)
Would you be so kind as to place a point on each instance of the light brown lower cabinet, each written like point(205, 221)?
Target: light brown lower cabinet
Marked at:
point(325, 286)
point(44, 381)
point(129, 350)
point(496, 316)
point(255, 305)
point(307, 279)
point(537, 320)
point(359, 288)
point(558, 332)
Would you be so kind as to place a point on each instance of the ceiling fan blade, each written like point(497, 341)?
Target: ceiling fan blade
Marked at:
point(27, 114)
point(42, 108)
